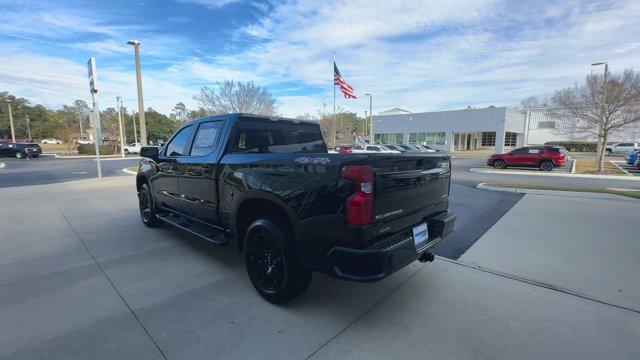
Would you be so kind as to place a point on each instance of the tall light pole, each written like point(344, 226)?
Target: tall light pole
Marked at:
point(370, 118)
point(143, 126)
point(13, 130)
point(135, 132)
point(94, 115)
point(364, 125)
point(600, 145)
point(28, 126)
point(119, 105)
point(80, 122)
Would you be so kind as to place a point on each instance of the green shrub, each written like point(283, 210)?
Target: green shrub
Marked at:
point(90, 149)
point(576, 146)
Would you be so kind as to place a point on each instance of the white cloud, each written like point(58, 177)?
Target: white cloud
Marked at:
point(412, 54)
point(295, 105)
point(212, 3)
point(437, 56)
point(53, 81)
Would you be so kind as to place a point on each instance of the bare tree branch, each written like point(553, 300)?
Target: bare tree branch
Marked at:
point(601, 108)
point(236, 97)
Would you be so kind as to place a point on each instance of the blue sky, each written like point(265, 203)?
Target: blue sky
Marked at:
point(417, 55)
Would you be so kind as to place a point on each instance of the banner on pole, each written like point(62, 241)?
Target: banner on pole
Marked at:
point(93, 75)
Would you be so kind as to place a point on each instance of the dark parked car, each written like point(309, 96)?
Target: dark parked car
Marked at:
point(543, 157)
point(270, 186)
point(20, 150)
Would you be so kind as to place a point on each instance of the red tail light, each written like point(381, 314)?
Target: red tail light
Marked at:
point(360, 204)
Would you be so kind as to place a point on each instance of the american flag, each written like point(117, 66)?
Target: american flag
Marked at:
point(346, 89)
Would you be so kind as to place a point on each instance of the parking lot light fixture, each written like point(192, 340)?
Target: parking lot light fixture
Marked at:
point(370, 118)
point(13, 130)
point(143, 126)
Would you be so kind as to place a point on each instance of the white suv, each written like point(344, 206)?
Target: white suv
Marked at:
point(133, 148)
point(621, 148)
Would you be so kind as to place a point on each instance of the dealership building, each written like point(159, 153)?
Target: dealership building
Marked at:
point(496, 128)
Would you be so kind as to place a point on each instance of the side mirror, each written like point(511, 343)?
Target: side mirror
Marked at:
point(150, 152)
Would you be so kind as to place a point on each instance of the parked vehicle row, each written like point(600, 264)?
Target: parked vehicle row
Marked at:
point(270, 186)
point(384, 149)
point(621, 148)
point(545, 158)
point(633, 158)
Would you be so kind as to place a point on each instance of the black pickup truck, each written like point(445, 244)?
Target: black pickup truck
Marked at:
point(270, 186)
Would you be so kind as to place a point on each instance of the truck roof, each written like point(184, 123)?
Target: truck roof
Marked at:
point(235, 116)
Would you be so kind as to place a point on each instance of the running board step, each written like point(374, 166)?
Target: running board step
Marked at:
point(202, 231)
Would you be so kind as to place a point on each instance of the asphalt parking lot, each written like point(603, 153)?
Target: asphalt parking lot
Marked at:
point(48, 169)
point(628, 168)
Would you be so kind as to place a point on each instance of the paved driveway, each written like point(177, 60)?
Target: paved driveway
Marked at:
point(81, 277)
point(588, 246)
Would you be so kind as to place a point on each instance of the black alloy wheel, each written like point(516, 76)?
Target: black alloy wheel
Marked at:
point(266, 264)
point(147, 208)
point(272, 262)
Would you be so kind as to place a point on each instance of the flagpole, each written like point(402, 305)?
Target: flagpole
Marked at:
point(333, 127)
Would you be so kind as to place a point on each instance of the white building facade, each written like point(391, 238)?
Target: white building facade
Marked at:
point(497, 128)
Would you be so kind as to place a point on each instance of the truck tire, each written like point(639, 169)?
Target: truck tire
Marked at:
point(546, 165)
point(147, 206)
point(126, 151)
point(499, 164)
point(608, 152)
point(272, 263)
point(19, 155)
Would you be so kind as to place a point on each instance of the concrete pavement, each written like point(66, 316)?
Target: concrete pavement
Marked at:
point(589, 246)
point(83, 278)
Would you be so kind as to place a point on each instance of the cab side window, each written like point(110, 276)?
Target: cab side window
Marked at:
point(178, 145)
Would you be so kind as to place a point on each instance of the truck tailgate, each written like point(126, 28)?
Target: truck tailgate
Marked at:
point(408, 189)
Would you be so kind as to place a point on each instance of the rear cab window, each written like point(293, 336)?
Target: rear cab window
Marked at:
point(263, 135)
point(206, 138)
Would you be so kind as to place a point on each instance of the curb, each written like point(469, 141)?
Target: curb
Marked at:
point(620, 167)
point(578, 194)
point(93, 157)
point(584, 176)
point(83, 156)
point(118, 158)
point(127, 171)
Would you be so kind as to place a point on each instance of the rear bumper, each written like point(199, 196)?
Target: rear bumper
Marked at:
point(383, 258)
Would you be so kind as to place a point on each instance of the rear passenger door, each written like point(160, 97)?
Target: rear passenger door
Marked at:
point(198, 174)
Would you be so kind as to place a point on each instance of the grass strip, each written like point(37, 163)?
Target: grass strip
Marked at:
point(591, 167)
